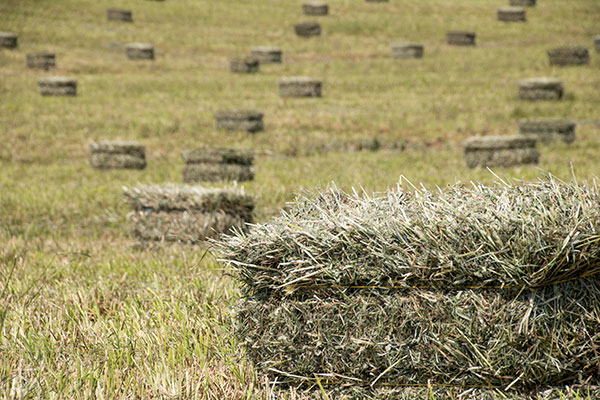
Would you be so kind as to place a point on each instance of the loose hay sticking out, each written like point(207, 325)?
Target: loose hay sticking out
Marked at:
point(119, 14)
point(535, 89)
point(300, 86)
point(215, 164)
point(407, 50)
point(512, 14)
point(267, 54)
point(461, 38)
point(117, 155)
point(569, 55)
point(549, 129)
point(500, 151)
point(57, 86)
point(244, 65)
point(308, 29)
point(8, 40)
point(250, 121)
point(43, 61)
point(492, 287)
point(187, 214)
point(139, 51)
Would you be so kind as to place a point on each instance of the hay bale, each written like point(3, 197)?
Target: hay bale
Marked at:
point(245, 65)
point(117, 155)
point(8, 40)
point(119, 14)
point(376, 1)
point(407, 50)
point(315, 8)
point(541, 89)
point(500, 151)
point(57, 86)
point(569, 55)
point(267, 54)
point(300, 86)
point(139, 51)
point(216, 164)
point(522, 3)
point(250, 121)
point(43, 60)
point(549, 129)
point(470, 286)
point(597, 44)
point(187, 214)
point(512, 14)
point(307, 29)
point(461, 38)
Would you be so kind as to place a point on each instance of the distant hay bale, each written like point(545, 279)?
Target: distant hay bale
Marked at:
point(267, 54)
point(57, 86)
point(187, 214)
point(500, 151)
point(549, 129)
point(300, 86)
point(43, 60)
point(117, 155)
point(217, 164)
point(315, 8)
point(308, 29)
point(522, 3)
point(512, 14)
point(376, 1)
point(461, 288)
point(461, 38)
point(8, 40)
point(407, 50)
point(569, 55)
point(244, 65)
point(250, 121)
point(119, 14)
point(535, 89)
point(139, 51)
point(597, 44)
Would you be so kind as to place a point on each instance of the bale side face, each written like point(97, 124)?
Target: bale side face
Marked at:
point(139, 51)
point(512, 14)
point(300, 87)
point(522, 3)
point(218, 156)
point(407, 50)
point(569, 55)
point(244, 65)
point(541, 89)
point(213, 172)
point(597, 44)
point(43, 61)
point(549, 130)
point(239, 121)
point(461, 38)
point(315, 8)
point(501, 158)
point(8, 40)
point(307, 29)
point(116, 161)
point(57, 86)
point(119, 14)
point(266, 54)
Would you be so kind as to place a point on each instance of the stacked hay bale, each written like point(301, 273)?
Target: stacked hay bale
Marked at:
point(117, 155)
point(186, 214)
point(244, 65)
point(407, 50)
point(8, 40)
point(479, 287)
point(535, 89)
point(547, 130)
point(569, 55)
point(307, 29)
point(500, 151)
point(139, 51)
point(250, 121)
point(461, 38)
point(119, 14)
point(43, 60)
point(216, 164)
point(512, 14)
point(57, 86)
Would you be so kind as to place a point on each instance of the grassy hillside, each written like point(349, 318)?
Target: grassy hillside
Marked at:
point(83, 313)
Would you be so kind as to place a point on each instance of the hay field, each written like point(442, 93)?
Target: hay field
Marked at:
point(85, 314)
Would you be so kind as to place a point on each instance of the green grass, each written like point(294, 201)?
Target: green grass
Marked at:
point(86, 315)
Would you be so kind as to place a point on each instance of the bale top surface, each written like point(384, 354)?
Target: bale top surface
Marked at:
point(548, 122)
point(239, 114)
point(218, 156)
point(537, 82)
point(56, 81)
point(139, 46)
point(118, 147)
point(266, 49)
point(498, 142)
point(407, 45)
point(512, 9)
point(299, 79)
point(7, 35)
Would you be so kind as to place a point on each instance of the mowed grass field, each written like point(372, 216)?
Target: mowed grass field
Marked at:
point(83, 312)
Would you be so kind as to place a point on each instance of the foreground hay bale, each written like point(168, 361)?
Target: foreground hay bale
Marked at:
point(512, 14)
point(139, 51)
point(315, 8)
point(300, 86)
point(461, 38)
point(307, 29)
point(407, 50)
point(267, 54)
point(244, 65)
point(492, 287)
point(548, 130)
point(535, 89)
point(187, 214)
point(569, 55)
point(500, 151)
point(57, 86)
point(216, 164)
point(8, 40)
point(119, 14)
point(250, 121)
point(43, 61)
point(117, 155)
point(522, 3)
